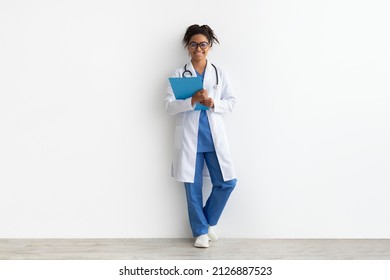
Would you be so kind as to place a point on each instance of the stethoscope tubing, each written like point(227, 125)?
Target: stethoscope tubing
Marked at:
point(189, 72)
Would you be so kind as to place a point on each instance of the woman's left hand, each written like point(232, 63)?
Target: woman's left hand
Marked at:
point(209, 102)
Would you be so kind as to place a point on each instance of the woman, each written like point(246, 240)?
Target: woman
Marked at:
point(200, 136)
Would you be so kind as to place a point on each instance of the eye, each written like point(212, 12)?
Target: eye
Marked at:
point(204, 45)
point(193, 45)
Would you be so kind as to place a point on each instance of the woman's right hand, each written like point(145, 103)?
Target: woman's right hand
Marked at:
point(199, 96)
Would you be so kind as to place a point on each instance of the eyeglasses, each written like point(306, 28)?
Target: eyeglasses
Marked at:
point(202, 45)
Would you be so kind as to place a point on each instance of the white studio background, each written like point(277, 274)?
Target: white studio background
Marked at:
point(85, 146)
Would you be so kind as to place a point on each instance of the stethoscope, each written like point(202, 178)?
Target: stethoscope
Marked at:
point(186, 72)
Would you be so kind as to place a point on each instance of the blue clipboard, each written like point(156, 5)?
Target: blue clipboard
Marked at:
point(184, 88)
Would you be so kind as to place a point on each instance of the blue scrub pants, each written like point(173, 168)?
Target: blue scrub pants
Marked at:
point(201, 217)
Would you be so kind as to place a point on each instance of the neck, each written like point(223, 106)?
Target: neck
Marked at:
point(199, 65)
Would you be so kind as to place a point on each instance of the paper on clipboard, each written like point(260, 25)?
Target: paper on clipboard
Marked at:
point(184, 88)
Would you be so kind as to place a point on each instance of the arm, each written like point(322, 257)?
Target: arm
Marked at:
point(173, 106)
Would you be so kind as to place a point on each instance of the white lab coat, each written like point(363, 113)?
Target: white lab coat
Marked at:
point(187, 124)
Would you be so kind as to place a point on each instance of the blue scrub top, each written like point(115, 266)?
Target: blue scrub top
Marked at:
point(205, 139)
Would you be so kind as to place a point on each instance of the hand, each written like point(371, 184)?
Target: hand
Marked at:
point(209, 102)
point(199, 96)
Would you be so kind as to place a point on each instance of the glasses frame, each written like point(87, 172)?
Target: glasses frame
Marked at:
point(198, 45)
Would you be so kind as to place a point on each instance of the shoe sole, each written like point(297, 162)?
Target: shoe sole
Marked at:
point(201, 246)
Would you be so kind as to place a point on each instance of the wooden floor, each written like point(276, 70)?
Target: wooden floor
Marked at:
point(182, 249)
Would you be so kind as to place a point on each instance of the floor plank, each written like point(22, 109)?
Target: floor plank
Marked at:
point(182, 249)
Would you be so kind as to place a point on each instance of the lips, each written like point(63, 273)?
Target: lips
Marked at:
point(199, 53)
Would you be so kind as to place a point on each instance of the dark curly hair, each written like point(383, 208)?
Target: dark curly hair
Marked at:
point(197, 29)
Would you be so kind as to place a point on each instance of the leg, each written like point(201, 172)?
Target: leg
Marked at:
point(220, 192)
point(194, 196)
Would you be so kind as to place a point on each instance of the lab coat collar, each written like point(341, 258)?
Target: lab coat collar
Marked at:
point(191, 68)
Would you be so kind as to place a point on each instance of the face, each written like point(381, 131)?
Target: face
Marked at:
point(198, 47)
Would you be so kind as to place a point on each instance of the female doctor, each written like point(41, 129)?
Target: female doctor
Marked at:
point(200, 136)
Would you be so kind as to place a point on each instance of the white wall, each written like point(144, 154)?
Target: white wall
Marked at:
point(85, 146)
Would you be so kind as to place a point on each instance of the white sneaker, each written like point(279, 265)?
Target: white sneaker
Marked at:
point(212, 234)
point(202, 241)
